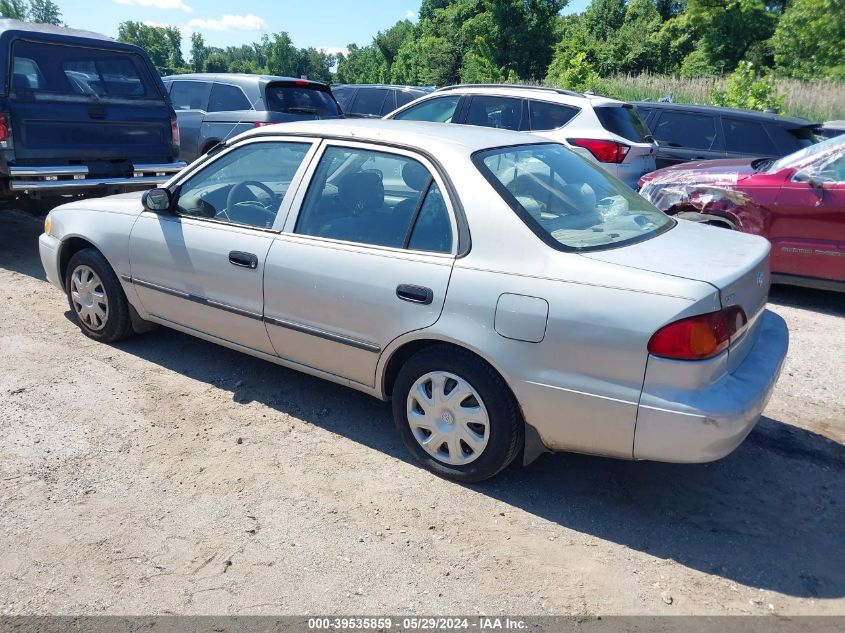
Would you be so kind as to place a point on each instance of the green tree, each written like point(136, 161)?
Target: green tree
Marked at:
point(199, 52)
point(748, 90)
point(15, 9)
point(575, 74)
point(389, 41)
point(162, 43)
point(809, 41)
point(45, 12)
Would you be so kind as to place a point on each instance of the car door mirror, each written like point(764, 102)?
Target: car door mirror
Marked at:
point(157, 200)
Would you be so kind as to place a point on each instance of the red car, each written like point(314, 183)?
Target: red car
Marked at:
point(797, 202)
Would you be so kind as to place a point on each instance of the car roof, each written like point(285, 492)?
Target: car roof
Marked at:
point(390, 86)
point(424, 135)
point(705, 109)
point(49, 29)
point(529, 92)
point(240, 78)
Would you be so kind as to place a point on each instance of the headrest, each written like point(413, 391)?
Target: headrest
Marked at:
point(362, 190)
point(415, 175)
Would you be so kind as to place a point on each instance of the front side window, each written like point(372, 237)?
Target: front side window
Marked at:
point(375, 198)
point(566, 200)
point(682, 129)
point(225, 98)
point(498, 112)
point(72, 70)
point(190, 95)
point(245, 186)
point(439, 110)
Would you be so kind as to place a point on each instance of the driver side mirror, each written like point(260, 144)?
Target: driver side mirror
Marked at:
point(157, 200)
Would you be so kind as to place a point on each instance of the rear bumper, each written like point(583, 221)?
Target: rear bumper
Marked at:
point(75, 178)
point(688, 425)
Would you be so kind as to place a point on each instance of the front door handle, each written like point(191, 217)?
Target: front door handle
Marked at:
point(415, 294)
point(244, 260)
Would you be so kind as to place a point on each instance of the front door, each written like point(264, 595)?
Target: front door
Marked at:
point(202, 267)
point(366, 260)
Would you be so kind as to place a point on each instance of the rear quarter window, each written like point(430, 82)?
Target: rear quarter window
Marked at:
point(623, 121)
point(76, 70)
point(225, 98)
point(747, 137)
point(790, 140)
point(550, 116)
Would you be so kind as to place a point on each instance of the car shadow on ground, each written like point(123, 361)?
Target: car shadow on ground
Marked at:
point(824, 301)
point(769, 516)
point(19, 233)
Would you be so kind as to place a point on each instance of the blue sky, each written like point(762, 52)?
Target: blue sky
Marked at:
point(330, 24)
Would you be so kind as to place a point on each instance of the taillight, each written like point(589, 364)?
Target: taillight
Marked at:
point(262, 123)
point(174, 131)
point(5, 130)
point(699, 337)
point(604, 151)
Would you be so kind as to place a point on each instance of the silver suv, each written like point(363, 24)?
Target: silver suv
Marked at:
point(608, 132)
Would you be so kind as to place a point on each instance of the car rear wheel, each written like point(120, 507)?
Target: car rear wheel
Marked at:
point(456, 415)
point(96, 297)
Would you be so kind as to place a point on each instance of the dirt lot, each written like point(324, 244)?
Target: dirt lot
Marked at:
point(169, 475)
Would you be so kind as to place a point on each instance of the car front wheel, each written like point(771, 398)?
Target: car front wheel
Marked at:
point(456, 415)
point(96, 297)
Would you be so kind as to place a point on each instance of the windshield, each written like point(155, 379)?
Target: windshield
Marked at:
point(808, 154)
point(566, 200)
point(301, 100)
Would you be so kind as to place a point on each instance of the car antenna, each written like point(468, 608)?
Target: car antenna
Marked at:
point(222, 143)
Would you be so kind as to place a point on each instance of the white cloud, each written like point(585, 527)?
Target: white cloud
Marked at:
point(158, 4)
point(153, 23)
point(410, 15)
point(334, 50)
point(248, 22)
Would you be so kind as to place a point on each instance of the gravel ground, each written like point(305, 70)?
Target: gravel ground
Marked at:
point(168, 475)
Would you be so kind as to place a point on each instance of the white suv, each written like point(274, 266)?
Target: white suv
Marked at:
point(609, 132)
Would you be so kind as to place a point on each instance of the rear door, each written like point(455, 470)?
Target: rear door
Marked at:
point(364, 261)
point(190, 100)
point(98, 105)
point(506, 113)
point(369, 102)
point(686, 136)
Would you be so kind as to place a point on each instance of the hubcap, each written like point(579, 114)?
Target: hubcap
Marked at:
point(448, 418)
point(89, 298)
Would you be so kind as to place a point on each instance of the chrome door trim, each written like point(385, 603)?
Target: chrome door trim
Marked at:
point(195, 298)
point(324, 334)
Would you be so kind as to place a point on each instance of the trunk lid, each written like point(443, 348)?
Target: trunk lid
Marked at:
point(736, 264)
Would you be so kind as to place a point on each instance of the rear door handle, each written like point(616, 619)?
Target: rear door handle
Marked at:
point(244, 260)
point(415, 294)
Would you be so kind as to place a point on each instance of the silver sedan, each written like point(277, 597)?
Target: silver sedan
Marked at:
point(508, 296)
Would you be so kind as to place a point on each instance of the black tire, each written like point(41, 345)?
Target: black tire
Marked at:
point(506, 427)
point(117, 324)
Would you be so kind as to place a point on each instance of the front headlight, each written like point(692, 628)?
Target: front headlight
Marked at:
point(48, 224)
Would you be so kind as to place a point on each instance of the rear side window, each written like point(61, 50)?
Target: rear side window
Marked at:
point(791, 140)
point(190, 95)
point(683, 129)
point(404, 97)
point(623, 121)
point(550, 116)
point(369, 101)
point(225, 98)
point(498, 112)
point(343, 96)
point(293, 99)
point(73, 70)
point(439, 110)
point(644, 113)
point(747, 137)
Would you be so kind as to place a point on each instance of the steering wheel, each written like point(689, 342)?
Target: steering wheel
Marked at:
point(243, 187)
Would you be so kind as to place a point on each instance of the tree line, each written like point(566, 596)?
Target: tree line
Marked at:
point(478, 41)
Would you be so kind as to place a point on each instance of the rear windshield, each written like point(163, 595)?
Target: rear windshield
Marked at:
point(300, 100)
point(569, 202)
point(624, 121)
point(73, 70)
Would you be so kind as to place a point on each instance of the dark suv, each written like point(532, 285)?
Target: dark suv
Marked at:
point(375, 100)
point(80, 113)
point(691, 132)
point(215, 107)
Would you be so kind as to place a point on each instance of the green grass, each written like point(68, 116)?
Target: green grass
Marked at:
point(815, 100)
